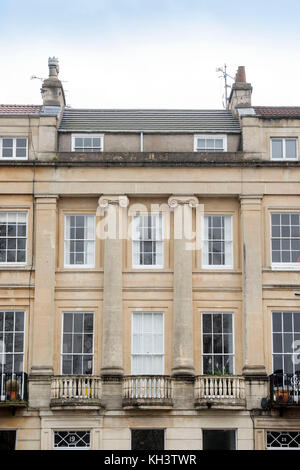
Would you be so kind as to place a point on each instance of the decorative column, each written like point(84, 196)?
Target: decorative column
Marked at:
point(253, 325)
point(114, 208)
point(45, 252)
point(183, 351)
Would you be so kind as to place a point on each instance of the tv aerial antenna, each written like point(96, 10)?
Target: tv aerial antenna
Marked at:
point(34, 77)
point(225, 76)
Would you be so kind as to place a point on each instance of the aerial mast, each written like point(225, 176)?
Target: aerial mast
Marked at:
point(225, 75)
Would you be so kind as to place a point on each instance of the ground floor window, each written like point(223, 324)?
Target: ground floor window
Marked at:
point(72, 440)
point(7, 440)
point(147, 439)
point(219, 439)
point(283, 440)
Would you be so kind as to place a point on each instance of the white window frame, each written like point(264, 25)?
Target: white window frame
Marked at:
point(91, 136)
point(136, 240)
point(233, 339)
point(17, 263)
point(282, 266)
point(66, 240)
point(62, 354)
point(206, 240)
point(284, 139)
point(14, 311)
point(210, 136)
point(282, 332)
point(142, 312)
point(14, 147)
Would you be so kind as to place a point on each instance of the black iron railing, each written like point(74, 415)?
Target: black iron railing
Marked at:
point(285, 389)
point(13, 386)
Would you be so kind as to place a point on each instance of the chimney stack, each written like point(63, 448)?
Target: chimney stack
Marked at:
point(52, 89)
point(240, 96)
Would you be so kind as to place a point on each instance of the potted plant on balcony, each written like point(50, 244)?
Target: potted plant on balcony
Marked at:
point(282, 395)
point(12, 388)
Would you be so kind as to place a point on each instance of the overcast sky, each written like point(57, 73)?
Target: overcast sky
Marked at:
point(150, 54)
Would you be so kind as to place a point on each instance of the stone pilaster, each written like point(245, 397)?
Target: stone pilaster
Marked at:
point(183, 363)
point(45, 221)
point(45, 252)
point(253, 324)
point(114, 209)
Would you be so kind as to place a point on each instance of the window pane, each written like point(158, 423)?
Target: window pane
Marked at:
point(227, 323)
point(207, 323)
point(217, 323)
point(207, 344)
point(277, 343)
point(78, 322)
point(20, 153)
point(77, 343)
point(68, 322)
point(287, 322)
point(228, 344)
point(88, 344)
point(7, 143)
point(277, 148)
point(67, 343)
point(291, 148)
point(88, 323)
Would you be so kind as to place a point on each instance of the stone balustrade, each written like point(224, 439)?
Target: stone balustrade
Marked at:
point(77, 389)
point(147, 390)
point(220, 391)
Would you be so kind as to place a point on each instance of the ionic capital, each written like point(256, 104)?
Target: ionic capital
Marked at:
point(105, 200)
point(175, 201)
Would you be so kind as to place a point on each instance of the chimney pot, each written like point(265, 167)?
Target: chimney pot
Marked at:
point(240, 75)
point(53, 67)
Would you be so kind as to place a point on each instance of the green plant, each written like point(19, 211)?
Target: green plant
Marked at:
point(215, 372)
point(55, 158)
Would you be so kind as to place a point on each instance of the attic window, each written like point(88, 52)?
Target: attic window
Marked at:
point(13, 148)
point(284, 148)
point(87, 142)
point(210, 143)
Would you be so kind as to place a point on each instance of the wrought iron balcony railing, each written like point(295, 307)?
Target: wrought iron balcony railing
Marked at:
point(13, 387)
point(75, 389)
point(220, 391)
point(285, 389)
point(147, 390)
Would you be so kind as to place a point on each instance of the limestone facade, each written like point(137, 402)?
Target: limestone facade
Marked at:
point(107, 398)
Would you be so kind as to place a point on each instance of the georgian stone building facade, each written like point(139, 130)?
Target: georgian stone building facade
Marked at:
point(149, 275)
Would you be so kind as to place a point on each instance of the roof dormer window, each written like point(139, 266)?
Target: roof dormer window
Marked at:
point(210, 143)
point(87, 142)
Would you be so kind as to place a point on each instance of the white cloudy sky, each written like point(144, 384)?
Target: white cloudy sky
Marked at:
point(150, 54)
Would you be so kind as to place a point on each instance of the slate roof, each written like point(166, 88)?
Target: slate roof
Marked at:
point(278, 112)
point(20, 109)
point(148, 120)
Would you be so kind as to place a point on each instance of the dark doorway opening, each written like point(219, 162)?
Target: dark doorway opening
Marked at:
point(219, 439)
point(7, 440)
point(147, 439)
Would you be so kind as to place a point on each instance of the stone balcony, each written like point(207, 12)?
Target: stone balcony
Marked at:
point(220, 391)
point(147, 391)
point(69, 391)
